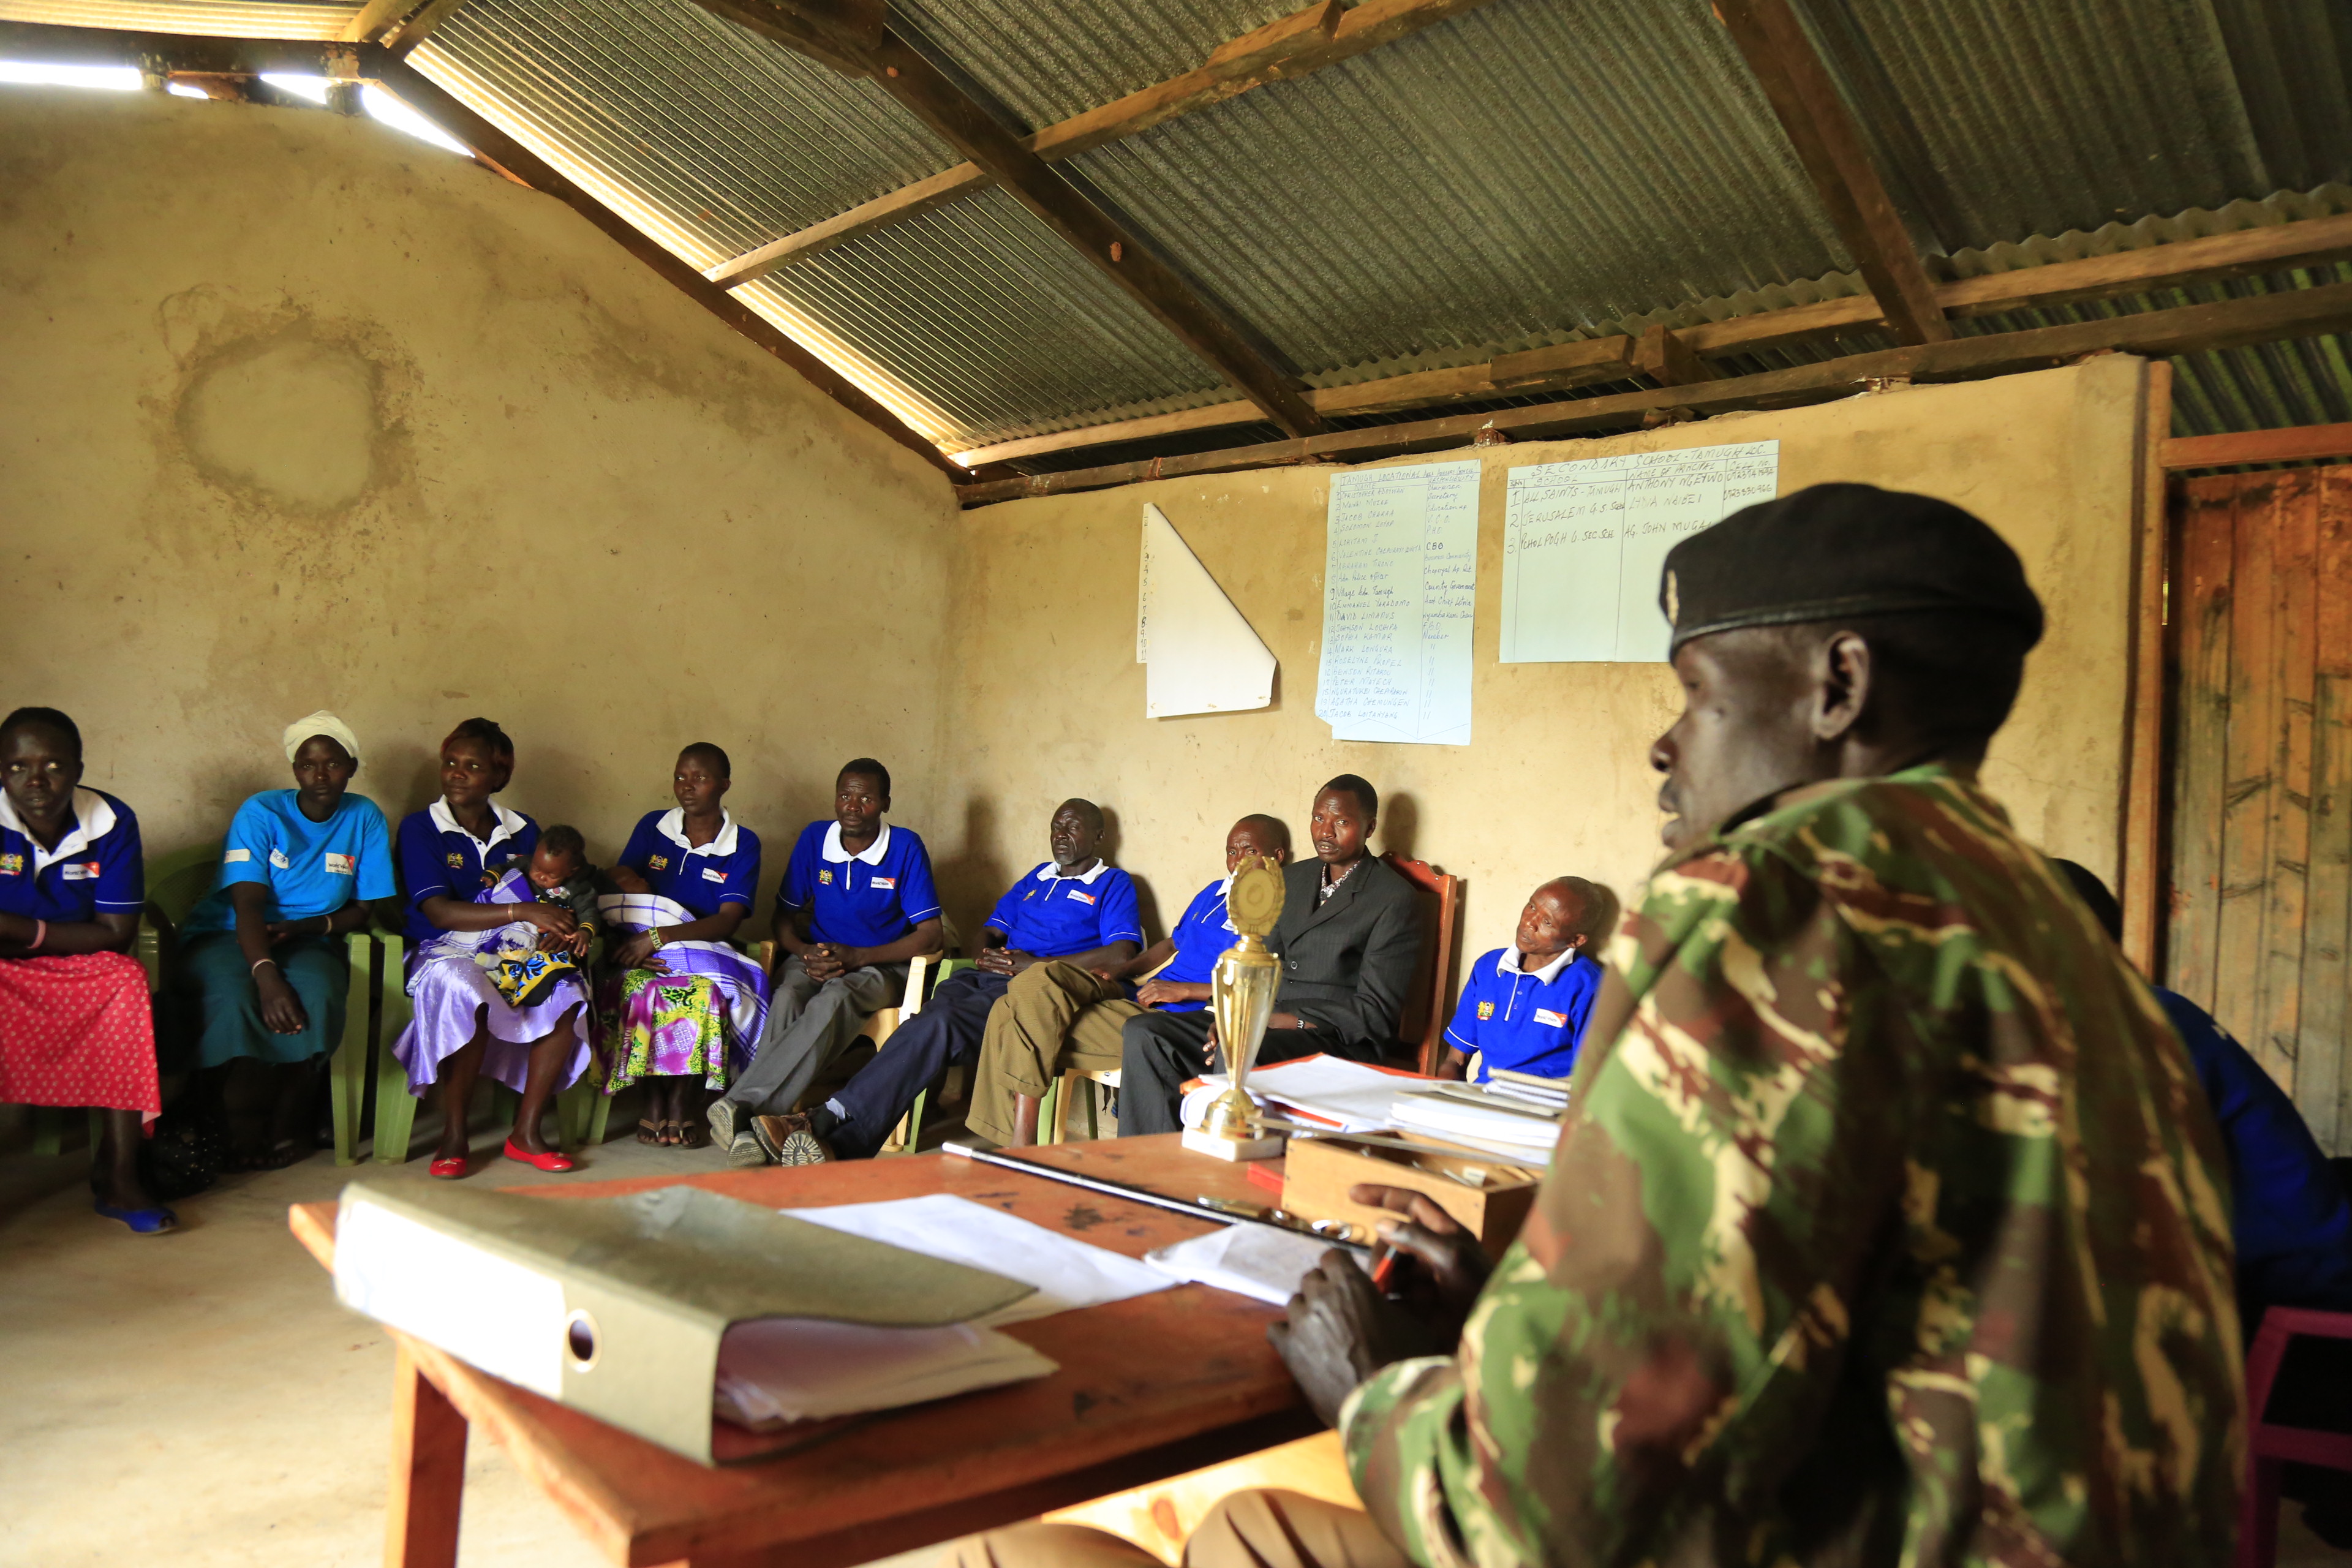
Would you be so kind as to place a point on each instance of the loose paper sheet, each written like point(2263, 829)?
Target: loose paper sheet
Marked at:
point(1400, 581)
point(1583, 543)
point(1201, 656)
point(1068, 1273)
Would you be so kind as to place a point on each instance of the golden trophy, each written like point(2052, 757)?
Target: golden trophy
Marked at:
point(1240, 999)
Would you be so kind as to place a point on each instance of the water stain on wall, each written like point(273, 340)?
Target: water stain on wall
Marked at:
point(288, 414)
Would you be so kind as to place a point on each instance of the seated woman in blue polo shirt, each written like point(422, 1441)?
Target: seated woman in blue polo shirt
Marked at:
point(1523, 1006)
point(75, 1026)
point(1076, 907)
point(263, 974)
point(679, 1001)
point(450, 854)
point(855, 905)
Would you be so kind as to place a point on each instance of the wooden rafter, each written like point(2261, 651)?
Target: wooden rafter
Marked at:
point(1322, 35)
point(171, 54)
point(2291, 444)
point(1829, 145)
point(2271, 249)
point(964, 124)
point(2190, 328)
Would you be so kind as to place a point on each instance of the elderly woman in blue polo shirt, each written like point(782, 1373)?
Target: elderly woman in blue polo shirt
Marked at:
point(263, 975)
point(74, 1027)
point(679, 1001)
point(453, 855)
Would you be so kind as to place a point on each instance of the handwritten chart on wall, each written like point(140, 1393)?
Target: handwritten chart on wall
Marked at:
point(1583, 543)
point(1400, 581)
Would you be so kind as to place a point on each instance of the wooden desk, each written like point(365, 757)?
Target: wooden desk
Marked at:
point(1148, 1388)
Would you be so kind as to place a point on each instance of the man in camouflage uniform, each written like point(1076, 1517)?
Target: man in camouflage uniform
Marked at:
point(1888, 1223)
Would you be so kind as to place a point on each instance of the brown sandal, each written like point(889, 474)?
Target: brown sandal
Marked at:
point(649, 1130)
point(691, 1134)
point(672, 1132)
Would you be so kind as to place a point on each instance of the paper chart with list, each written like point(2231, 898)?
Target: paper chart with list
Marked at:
point(1400, 583)
point(1583, 543)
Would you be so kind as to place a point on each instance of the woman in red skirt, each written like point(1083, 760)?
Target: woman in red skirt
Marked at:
point(75, 1026)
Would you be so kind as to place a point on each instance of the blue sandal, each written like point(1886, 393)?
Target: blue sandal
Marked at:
point(143, 1222)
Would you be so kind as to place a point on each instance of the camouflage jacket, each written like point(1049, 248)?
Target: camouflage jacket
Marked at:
point(1888, 1226)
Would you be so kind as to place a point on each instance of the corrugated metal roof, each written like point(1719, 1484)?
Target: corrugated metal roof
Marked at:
point(1529, 171)
point(200, 18)
point(989, 318)
point(734, 139)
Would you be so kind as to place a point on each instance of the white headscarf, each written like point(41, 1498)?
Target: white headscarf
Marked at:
point(320, 723)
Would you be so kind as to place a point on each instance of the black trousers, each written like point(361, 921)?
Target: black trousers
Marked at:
point(1160, 1052)
point(948, 1029)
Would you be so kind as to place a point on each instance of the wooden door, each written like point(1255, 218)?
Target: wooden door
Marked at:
point(2260, 907)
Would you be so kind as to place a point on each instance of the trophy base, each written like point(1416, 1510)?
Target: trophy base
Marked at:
point(1211, 1144)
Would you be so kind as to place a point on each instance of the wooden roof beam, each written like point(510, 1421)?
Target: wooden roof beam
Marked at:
point(1829, 144)
point(2191, 329)
point(926, 92)
point(2273, 247)
point(1322, 35)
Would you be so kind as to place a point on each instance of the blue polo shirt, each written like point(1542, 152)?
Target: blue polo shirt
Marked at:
point(1200, 937)
point(307, 868)
point(724, 871)
point(1525, 1022)
point(95, 868)
point(869, 899)
point(440, 859)
point(2288, 1211)
point(1054, 916)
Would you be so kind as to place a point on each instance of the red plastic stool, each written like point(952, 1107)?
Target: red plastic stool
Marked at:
point(2271, 1448)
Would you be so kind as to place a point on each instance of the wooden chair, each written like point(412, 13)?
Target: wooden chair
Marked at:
point(1161, 1516)
point(2270, 1448)
point(1421, 1022)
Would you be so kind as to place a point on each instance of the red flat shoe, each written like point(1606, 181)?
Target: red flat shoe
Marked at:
point(449, 1170)
point(551, 1161)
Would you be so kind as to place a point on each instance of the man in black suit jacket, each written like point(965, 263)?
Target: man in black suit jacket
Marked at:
point(1348, 938)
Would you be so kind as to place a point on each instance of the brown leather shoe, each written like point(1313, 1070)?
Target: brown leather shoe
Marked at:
point(788, 1140)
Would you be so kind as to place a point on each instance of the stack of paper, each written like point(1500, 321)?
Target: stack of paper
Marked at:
point(1348, 1095)
point(1468, 1114)
point(776, 1371)
point(1548, 1094)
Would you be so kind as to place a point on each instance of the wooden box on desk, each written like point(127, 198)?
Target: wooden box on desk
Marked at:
point(1317, 1173)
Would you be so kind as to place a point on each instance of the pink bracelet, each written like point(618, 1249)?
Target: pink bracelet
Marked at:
point(40, 936)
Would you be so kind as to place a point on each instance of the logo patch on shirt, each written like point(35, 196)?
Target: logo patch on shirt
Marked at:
point(341, 865)
point(657, 862)
point(457, 861)
point(824, 876)
point(12, 865)
point(1084, 897)
point(890, 884)
point(277, 858)
point(236, 857)
point(713, 874)
point(81, 870)
point(1545, 1015)
point(1486, 1011)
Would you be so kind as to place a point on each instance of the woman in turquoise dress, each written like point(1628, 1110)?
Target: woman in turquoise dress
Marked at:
point(262, 975)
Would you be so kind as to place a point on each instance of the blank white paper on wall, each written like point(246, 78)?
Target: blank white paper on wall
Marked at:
point(1400, 583)
point(1199, 652)
point(1583, 543)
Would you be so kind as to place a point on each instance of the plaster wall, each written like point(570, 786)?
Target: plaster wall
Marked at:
point(1046, 699)
point(296, 412)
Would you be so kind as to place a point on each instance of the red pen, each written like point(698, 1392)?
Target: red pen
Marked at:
point(1384, 1267)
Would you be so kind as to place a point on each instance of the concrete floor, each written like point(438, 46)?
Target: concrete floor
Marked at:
point(198, 1399)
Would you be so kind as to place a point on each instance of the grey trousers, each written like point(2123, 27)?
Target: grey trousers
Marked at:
point(809, 1024)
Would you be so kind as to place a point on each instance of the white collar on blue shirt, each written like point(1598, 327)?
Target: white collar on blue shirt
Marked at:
point(672, 826)
point(504, 824)
point(1509, 965)
point(1045, 872)
point(872, 854)
point(93, 820)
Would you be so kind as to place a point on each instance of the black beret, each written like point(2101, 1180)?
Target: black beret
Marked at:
point(1832, 552)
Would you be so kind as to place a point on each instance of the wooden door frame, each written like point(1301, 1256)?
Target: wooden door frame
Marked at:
point(2141, 854)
